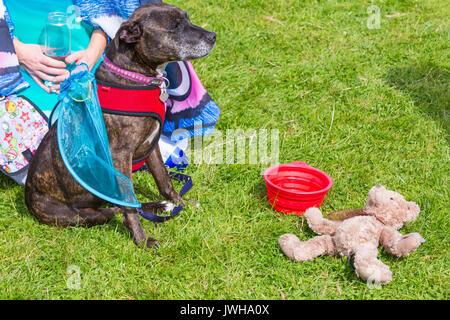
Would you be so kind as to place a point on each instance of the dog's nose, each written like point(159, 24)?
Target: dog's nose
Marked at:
point(211, 36)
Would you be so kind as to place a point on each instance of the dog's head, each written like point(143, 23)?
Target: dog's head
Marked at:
point(161, 33)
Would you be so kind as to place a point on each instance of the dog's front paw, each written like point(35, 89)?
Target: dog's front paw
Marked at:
point(167, 206)
point(152, 243)
point(158, 206)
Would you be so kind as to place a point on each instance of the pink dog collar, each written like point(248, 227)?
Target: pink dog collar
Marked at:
point(134, 76)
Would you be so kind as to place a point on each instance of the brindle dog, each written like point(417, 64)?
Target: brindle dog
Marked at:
point(154, 35)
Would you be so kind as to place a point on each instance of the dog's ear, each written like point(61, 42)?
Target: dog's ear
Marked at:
point(130, 31)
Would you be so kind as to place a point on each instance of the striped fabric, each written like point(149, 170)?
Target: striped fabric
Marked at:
point(11, 80)
point(108, 14)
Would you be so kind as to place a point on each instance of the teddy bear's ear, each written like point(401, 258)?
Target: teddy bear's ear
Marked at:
point(372, 193)
point(376, 194)
point(412, 212)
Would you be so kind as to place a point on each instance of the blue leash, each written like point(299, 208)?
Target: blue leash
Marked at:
point(186, 187)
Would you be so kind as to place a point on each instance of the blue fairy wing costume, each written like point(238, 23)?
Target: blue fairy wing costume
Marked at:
point(83, 140)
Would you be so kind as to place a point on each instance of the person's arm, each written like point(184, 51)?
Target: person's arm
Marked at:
point(38, 65)
point(41, 67)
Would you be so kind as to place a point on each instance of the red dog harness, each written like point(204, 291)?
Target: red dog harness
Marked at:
point(133, 101)
point(148, 101)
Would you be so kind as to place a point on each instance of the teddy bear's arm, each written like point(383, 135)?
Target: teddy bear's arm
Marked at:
point(397, 244)
point(320, 225)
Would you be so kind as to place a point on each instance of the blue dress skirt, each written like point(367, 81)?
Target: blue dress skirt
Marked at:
point(29, 18)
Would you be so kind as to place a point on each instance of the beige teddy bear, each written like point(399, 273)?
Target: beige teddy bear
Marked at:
point(359, 235)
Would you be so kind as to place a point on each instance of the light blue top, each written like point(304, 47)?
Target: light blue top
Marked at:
point(29, 18)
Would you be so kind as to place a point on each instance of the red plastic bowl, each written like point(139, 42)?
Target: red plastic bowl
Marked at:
point(295, 187)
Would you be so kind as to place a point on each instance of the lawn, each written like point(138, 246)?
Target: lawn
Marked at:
point(366, 105)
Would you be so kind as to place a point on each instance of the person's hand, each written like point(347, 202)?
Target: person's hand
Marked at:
point(39, 66)
point(83, 56)
point(94, 51)
point(91, 55)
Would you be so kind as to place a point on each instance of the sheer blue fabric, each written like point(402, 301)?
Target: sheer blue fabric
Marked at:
point(83, 141)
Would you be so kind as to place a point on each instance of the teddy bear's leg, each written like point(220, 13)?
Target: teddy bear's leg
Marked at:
point(397, 244)
point(297, 250)
point(369, 268)
point(318, 224)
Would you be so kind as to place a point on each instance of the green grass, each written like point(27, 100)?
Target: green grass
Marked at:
point(367, 106)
